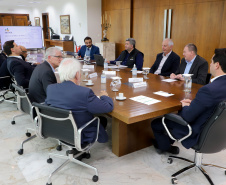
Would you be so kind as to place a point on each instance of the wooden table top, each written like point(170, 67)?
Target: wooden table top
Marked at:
point(130, 111)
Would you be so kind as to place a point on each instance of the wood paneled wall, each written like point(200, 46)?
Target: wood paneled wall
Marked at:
point(201, 22)
point(13, 19)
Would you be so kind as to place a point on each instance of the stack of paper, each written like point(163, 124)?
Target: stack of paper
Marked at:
point(145, 100)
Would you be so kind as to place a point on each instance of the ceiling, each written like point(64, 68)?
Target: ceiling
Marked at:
point(22, 3)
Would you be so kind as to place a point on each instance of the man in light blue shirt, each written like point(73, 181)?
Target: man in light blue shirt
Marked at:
point(192, 64)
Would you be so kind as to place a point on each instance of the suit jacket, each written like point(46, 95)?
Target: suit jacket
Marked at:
point(83, 103)
point(94, 50)
point(170, 66)
point(3, 57)
point(4, 82)
point(200, 109)
point(20, 70)
point(41, 77)
point(199, 69)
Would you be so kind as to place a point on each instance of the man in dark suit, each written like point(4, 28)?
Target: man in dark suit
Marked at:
point(197, 111)
point(192, 64)
point(43, 75)
point(5, 77)
point(17, 67)
point(80, 100)
point(166, 62)
point(88, 49)
point(130, 55)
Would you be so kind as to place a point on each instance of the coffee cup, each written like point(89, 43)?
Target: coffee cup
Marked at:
point(120, 95)
point(89, 81)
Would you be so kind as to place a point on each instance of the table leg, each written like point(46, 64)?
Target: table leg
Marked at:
point(127, 138)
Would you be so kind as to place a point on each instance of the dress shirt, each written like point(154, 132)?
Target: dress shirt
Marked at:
point(188, 66)
point(88, 50)
point(51, 67)
point(164, 58)
point(216, 78)
point(138, 58)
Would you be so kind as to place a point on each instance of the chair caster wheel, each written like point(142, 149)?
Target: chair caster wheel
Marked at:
point(87, 155)
point(225, 172)
point(48, 183)
point(95, 178)
point(20, 152)
point(174, 180)
point(13, 122)
point(59, 148)
point(28, 134)
point(170, 160)
point(50, 160)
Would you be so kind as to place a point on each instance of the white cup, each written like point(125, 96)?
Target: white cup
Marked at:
point(89, 81)
point(120, 95)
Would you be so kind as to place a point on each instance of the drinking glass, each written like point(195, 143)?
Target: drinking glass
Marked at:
point(86, 75)
point(114, 84)
point(145, 72)
point(118, 64)
point(188, 82)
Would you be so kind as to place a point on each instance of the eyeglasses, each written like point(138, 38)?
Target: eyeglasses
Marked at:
point(24, 51)
point(57, 56)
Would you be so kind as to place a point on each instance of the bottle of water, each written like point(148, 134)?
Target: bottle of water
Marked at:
point(105, 64)
point(103, 78)
point(134, 70)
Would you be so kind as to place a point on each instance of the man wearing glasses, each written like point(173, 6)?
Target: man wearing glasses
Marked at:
point(43, 75)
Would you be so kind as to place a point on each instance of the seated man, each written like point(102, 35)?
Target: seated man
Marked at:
point(2, 57)
point(43, 75)
point(80, 100)
point(192, 64)
point(17, 67)
point(23, 53)
point(166, 62)
point(197, 111)
point(88, 49)
point(130, 55)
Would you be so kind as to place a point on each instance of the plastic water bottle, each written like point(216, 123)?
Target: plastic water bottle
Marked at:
point(103, 78)
point(134, 70)
point(105, 64)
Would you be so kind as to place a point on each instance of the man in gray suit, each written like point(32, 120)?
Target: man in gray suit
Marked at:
point(43, 75)
point(192, 64)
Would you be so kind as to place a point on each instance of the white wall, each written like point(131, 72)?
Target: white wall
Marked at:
point(79, 14)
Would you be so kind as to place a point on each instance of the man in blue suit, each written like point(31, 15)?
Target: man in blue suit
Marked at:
point(80, 100)
point(88, 49)
point(166, 62)
point(197, 111)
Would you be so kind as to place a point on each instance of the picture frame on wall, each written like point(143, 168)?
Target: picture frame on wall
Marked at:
point(37, 21)
point(65, 24)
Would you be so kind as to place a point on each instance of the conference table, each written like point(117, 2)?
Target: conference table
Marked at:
point(131, 120)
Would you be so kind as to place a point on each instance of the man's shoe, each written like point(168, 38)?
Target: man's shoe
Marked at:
point(174, 150)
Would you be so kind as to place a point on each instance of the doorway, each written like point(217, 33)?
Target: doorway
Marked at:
point(45, 25)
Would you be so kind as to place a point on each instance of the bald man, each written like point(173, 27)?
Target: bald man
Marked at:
point(166, 62)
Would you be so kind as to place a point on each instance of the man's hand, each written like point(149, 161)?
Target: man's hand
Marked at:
point(172, 76)
point(180, 77)
point(108, 62)
point(185, 102)
point(103, 93)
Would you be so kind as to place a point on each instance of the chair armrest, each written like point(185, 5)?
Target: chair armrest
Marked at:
point(177, 119)
point(3, 77)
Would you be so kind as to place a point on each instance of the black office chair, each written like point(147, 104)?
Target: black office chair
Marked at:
point(59, 124)
point(23, 105)
point(211, 140)
point(208, 77)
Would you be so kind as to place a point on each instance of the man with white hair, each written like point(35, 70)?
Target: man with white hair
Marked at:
point(80, 100)
point(166, 62)
point(43, 75)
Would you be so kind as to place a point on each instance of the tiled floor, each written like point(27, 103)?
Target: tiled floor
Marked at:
point(143, 167)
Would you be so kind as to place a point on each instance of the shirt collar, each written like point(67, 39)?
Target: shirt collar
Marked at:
point(216, 78)
point(16, 57)
point(166, 54)
point(89, 48)
point(191, 62)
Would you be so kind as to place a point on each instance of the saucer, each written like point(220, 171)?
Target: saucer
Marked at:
point(89, 84)
point(123, 98)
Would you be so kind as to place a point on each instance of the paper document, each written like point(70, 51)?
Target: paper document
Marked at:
point(145, 100)
point(169, 80)
point(162, 93)
point(88, 66)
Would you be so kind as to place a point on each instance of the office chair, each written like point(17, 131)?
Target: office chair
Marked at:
point(208, 77)
point(59, 124)
point(24, 105)
point(211, 140)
